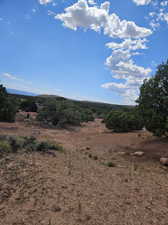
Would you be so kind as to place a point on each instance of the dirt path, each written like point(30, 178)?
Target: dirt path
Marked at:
point(77, 187)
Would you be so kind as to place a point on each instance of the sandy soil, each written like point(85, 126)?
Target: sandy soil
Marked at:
point(77, 187)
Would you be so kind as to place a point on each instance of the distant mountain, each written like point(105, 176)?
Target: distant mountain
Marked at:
point(18, 92)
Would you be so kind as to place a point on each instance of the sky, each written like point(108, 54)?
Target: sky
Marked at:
point(84, 49)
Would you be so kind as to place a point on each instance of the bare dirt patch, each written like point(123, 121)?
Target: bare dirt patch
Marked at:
point(77, 186)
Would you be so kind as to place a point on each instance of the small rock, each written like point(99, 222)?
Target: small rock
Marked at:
point(87, 148)
point(122, 153)
point(164, 161)
point(55, 208)
point(139, 153)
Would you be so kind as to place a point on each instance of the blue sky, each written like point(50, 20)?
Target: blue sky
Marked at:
point(88, 50)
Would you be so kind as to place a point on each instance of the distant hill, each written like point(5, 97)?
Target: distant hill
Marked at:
point(18, 92)
point(99, 108)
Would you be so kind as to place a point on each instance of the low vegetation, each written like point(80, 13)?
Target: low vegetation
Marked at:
point(120, 121)
point(110, 164)
point(28, 105)
point(151, 111)
point(62, 113)
point(85, 111)
point(8, 106)
point(13, 144)
point(153, 102)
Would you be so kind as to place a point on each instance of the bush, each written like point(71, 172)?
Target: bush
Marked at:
point(14, 144)
point(153, 102)
point(62, 113)
point(120, 121)
point(5, 147)
point(44, 146)
point(28, 105)
point(86, 115)
point(110, 164)
point(8, 106)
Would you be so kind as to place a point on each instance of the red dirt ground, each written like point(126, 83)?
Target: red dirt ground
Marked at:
point(77, 187)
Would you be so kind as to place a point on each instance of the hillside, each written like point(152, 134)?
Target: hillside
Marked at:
point(97, 107)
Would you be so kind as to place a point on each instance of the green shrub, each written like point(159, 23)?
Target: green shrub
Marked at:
point(86, 115)
point(62, 113)
point(153, 102)
point(28, 105)
point(5, 147)
point(110, 164)
point(120, 121)
point(29, 144)
point(44, 146)
point(8, 106)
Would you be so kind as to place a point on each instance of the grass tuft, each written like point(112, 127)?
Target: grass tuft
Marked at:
point(13, 144)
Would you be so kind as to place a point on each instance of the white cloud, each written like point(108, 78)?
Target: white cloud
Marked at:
point(120, 62)
point(123, 67)
point(162, 16)
point(159, 14)
point(154, 24)
point(44, 2)
point(10, 76)
point(128, 44)
point(91, 2)
point(97, 18)
point(164, 3)
point(142, 2)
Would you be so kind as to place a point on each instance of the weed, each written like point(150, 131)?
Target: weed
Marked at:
point(95, 157)
point(4, 147)
point(90, 155)
point(110, 164)
point(28, 144)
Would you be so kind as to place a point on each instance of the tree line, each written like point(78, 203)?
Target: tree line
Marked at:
point(150, 112)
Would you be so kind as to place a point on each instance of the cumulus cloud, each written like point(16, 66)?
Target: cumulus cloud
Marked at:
point(44, 2)
point(128, 44)
point(162, 16)
point(91, 2)
point(123, 67)
point(120, 62)
point(97, 18)
point(159, 14)
point(164, 3)
point(142, 2)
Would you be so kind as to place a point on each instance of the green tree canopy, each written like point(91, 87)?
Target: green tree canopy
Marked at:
point(153, 101)
point(121, 121)
point(62, 113)
point(8, 106)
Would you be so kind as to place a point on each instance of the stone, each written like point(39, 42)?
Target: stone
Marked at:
point(55, 208)
point(139, 153)
point(164, 161)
